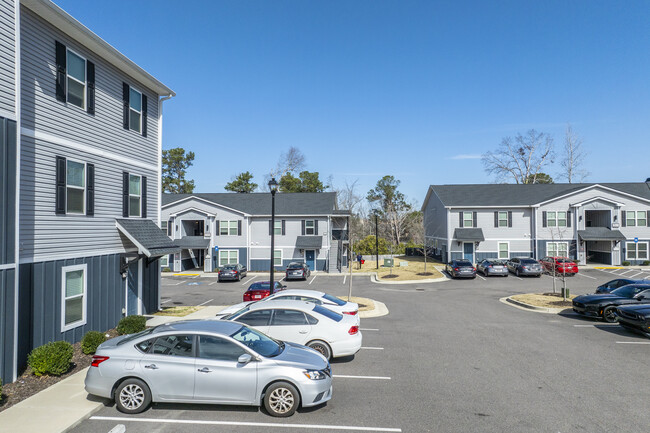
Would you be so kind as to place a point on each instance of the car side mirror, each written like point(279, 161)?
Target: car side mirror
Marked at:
point(244, 359)
point(640, 297)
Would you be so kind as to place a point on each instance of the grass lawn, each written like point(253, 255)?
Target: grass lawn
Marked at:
point(414, 270)
point(365, 304)
point(181, 311)
point(547, 300)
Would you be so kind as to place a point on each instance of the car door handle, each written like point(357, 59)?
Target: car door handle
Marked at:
point(151, 367)
point(204, 370)
point(303, 331)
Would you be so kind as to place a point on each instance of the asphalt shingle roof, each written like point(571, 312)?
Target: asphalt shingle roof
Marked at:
point(500, 194)
point(147, 234)
point(600, 234)
point(309, 242)
point(304, 203)
point(193, 242)
point(473, 234)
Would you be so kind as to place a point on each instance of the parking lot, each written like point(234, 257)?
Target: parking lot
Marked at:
point(449, 357)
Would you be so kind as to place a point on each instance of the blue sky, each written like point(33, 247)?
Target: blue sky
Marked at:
point(416, 89)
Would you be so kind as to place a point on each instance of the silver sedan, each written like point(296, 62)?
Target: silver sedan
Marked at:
point(212, 361)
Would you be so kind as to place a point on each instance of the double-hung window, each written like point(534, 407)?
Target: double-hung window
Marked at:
point(76, 79)
point(503, 219)
point(73, 299)
point(277, 258)
point(135, 110)
point(636, 218)
point(557, 249)
point(468, 219)
point(503, 250)
point(228, 257)
point(636, 250)
point(310, 227)
point(135, 195)
point(277, 228)
point(75, 187)
point(228, 228)
point(556, 219)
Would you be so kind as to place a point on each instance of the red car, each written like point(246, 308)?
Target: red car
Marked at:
point(259, 290)
point(559, 265)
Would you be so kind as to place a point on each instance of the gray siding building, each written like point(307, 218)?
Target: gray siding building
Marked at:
point(216, 229)
point(79, 214)
point(605, 223)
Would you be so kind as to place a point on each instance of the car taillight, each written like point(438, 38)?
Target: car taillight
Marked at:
point(353, 330)
point(455, 269)
point(98, 360)
point(235, 272)
point(473, 268)
point(351, 313)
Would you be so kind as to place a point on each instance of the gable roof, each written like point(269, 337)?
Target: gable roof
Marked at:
point(500, 194)
point(299, 203)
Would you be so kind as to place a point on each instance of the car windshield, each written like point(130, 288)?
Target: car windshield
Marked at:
point(328, 313)
point(258, 342)
point(497, 262)
point(295, 265)
point(528, 262)
point(333, 299)
point(135, 336)
point(229, 267)
point(564, 261)
point(626, 291)
point(463, 263)
point(260, 286)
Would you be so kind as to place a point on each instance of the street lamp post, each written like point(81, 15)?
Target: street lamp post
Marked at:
point(377, 237)
point(273, 186)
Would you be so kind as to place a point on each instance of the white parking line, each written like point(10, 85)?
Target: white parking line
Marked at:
point(480, 277)
point(514, 276)
point(596, 325)
point(246, 424)
point(369, 329)
point(345, 376)
point(633, 342)
point(282, 278)
point(636, 275)
point(248, 281)
point(372, 348)
point(312, 280)
point(205, 302)
point(344, 277)
point(178, 284)
point(586, 276)
point(214, 282)
point(164, 302)
point(627, 272)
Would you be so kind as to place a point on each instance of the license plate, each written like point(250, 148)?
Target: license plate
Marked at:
point(257, 297)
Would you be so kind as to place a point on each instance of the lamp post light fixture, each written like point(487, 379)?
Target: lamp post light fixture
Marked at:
point(273, 186)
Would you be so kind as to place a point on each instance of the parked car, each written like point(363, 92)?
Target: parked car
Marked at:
point(525, 266)
point(319, 298)
point(232, 272)
point(492, 267)
point(208, 362)
point(559, 265)
point(332, 334)
point(297, 271)
point(635, 318)
point(603, 305)
point(261, 290)
point(460, 269)
point(619, 282)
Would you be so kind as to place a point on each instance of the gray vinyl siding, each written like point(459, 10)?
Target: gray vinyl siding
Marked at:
point(41, 111)
point(7, 56)
point(7, 191)
point(435, 218)
point(7, 298)
point(45, 235)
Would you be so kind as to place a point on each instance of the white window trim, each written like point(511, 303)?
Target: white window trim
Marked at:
point(227, 251)
point(164, 264)
point(64, 271)
point(557, 250)
point(281, 258)
point(471, 219)
point(67, 76)
point(636, 251)
point(313, 228)
point(499, 249)
point(557, 219)
point(221, 226)
point(636, 218)
point(75, 187)
point(131, 108)
point(139, 215)
point(499, 218)
point(279, 223)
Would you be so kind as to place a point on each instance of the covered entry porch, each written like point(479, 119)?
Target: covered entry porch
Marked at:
point(600, 245)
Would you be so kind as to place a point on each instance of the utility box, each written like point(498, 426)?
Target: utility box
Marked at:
point(388, 263)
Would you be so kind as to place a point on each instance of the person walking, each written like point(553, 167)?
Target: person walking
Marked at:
point(359, 259)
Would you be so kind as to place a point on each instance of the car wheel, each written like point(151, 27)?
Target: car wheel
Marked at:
point(281, 399)
point(608, 314)
point(132, 396)
point(517, 272)
point(322, 348)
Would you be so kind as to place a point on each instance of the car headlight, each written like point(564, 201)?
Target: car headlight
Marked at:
point(314, 374)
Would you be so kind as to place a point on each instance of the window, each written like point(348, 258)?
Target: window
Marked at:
point(310, 227)
point(218, 349)
point(173, 345)
point(556, 219)
point(75, 187)
point(503, 250)
point(135, 110)
point(228, 228)
point(636, 218)
point(468, 219)
point(228, 257)
point(135, 194)
point(256, 318)
point(76, 79)
point(557, 249)
point(288, 318)
point(277, 258)
point(277, 229)
point(164, 262)
point(503, 219)
point(73, 303)
point(636, 251)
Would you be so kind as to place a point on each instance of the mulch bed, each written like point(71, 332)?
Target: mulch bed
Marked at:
point(29, 384)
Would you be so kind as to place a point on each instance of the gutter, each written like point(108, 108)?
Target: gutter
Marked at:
point(160, 124)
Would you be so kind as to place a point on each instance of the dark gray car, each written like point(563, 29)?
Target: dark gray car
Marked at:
point(525, 266)
point(460, 269)
point(490, 267)
point(232, 272)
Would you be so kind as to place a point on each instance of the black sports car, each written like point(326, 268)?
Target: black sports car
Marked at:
point(604, 305)
point(635, 318)
point(619, 282)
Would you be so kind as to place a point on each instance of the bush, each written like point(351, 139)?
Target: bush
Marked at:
point(166, 270)
point(51, 358)
point(366, 246)
point(131, 325)
point(91, 341)
point(646, 262)
point(626, 263)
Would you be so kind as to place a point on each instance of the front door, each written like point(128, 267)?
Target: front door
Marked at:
point(132, 283)
point(310, 259)
point(468, 251)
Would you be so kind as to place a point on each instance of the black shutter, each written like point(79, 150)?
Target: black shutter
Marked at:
point(239, 228)
point(144, 115)
point(315, 227)
point(544, 219)
point(60, 71)
point(284, 227)
point(90, 91)
point(216, 233)
point(509, 218)
point(474, 220)
point(125, 194)
point(623, 219)
point(169, 227)
point(60, 185)
point(496, 219)
point(568, 219)
point(303, 227)
point(90, 189)
point(144, 197)
point(125, 103)
point(270, 227)
point(460, 219)
point(647, 220)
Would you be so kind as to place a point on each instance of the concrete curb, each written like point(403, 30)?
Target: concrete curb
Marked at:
point(523, 306)
point(204, 313)
point(379, 310)
point(375, 279)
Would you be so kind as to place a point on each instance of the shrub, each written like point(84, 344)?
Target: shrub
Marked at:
point(166, 270)
point(131, 325)
point(51, 358)
point(91, 341)
point(626, 263)
point(646, 262)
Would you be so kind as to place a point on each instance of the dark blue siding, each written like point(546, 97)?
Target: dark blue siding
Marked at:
point(150, 286)
point(7, 190)
point(7, 299)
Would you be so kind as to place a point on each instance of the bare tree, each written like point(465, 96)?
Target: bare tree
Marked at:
point(291, 161)
point(573, 158)
point(520, 158)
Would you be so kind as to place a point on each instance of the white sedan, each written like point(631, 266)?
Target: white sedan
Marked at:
point(319, 298)
point(330, 333)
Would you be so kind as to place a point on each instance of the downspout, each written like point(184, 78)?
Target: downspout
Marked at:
point(17, 80)
point(160, 124)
